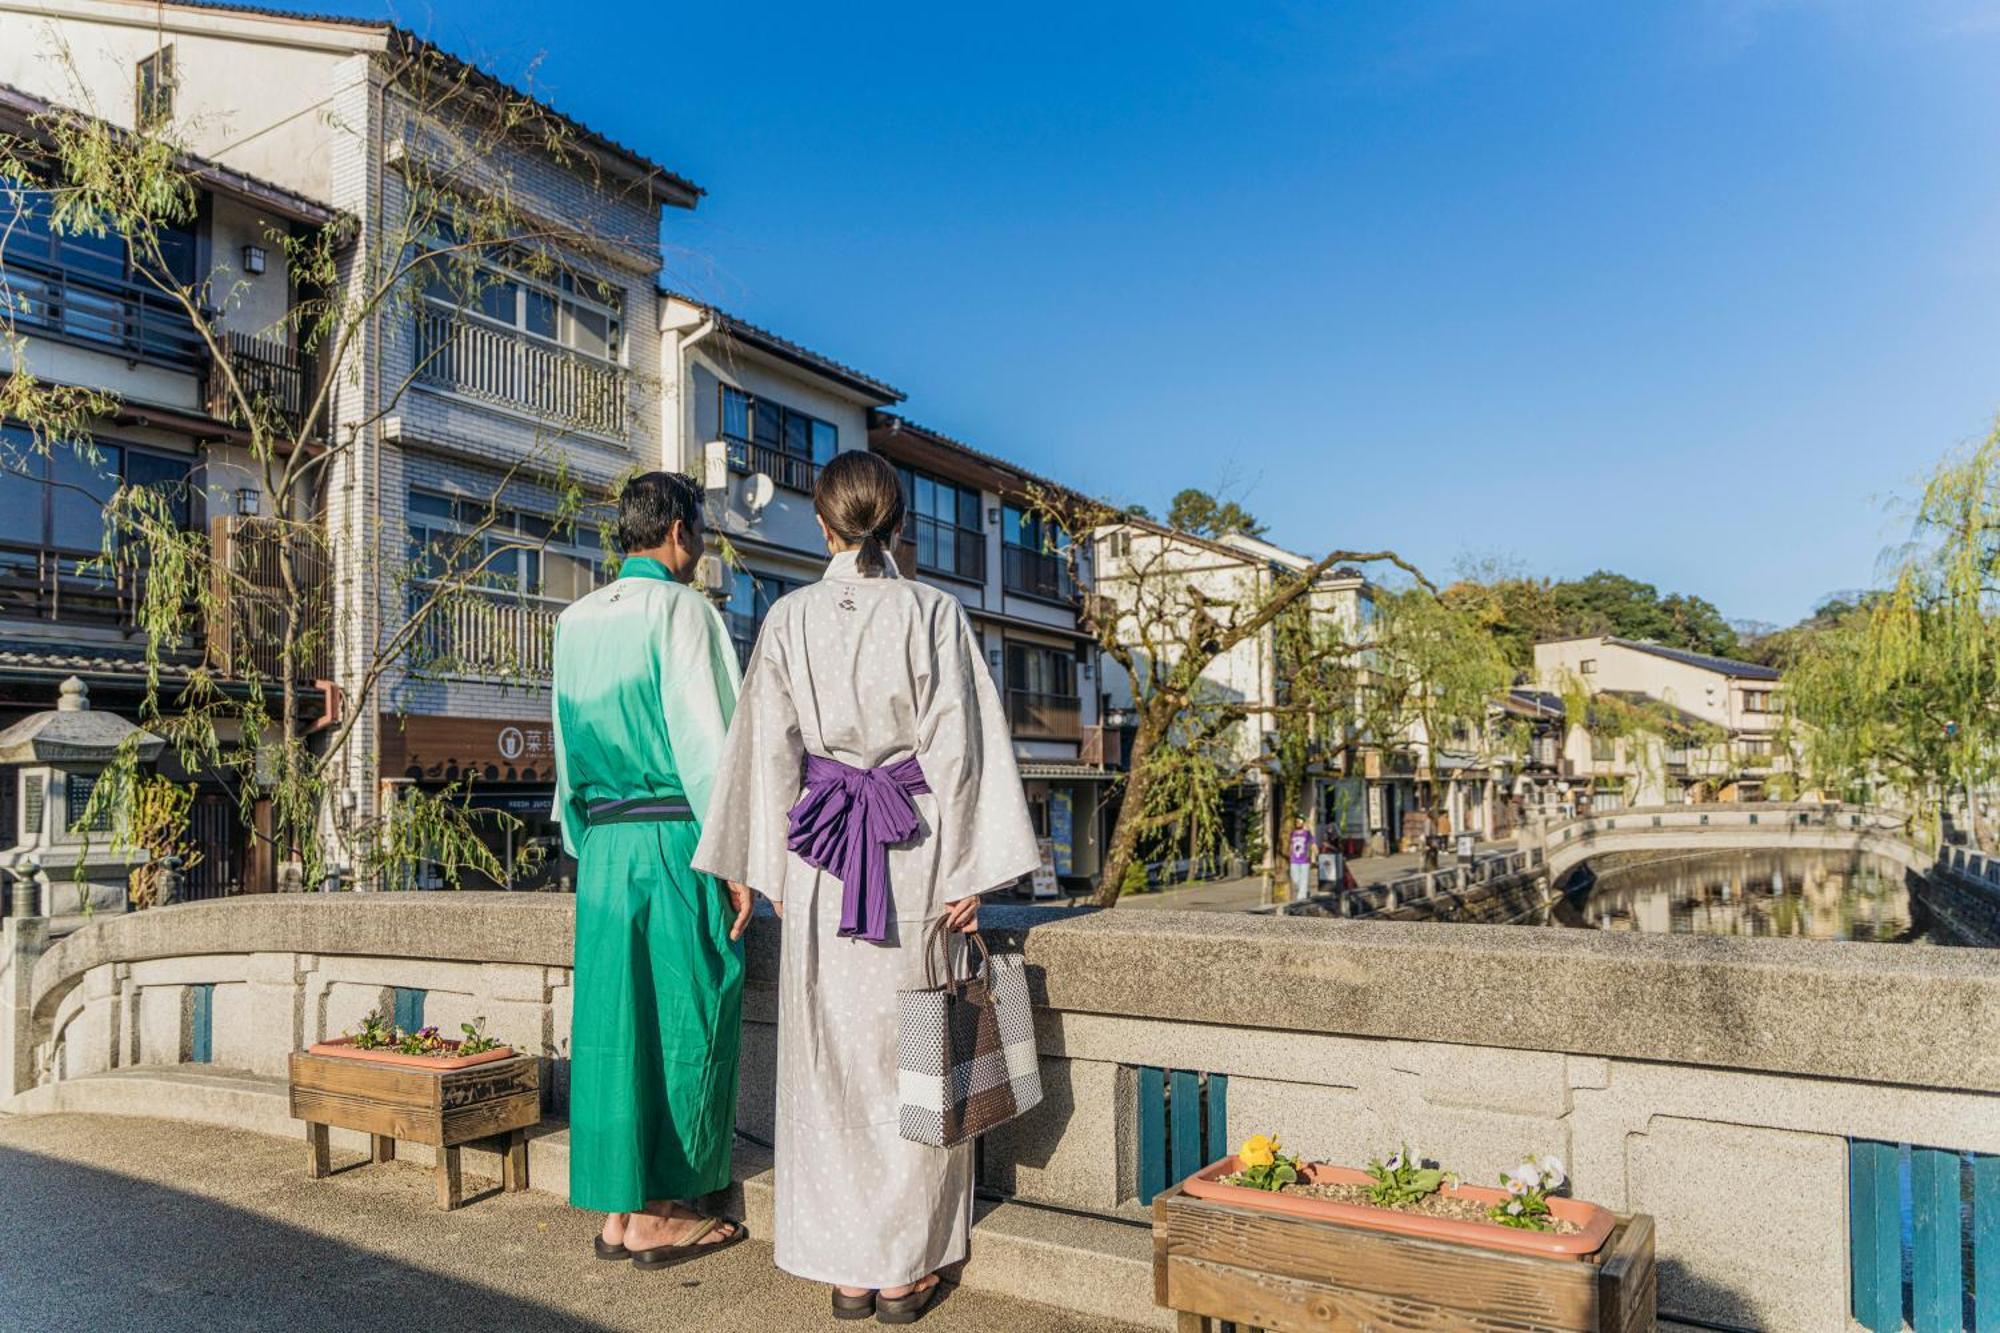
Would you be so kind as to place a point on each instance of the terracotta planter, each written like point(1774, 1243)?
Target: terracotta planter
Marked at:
point(343, 1048)
point(1594, 1224)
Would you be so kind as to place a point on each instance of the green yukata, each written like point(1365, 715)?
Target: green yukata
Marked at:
point(645, 682)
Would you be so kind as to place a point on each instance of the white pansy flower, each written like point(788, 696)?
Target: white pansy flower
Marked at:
point(1552, 1171)
point(1528, 1171)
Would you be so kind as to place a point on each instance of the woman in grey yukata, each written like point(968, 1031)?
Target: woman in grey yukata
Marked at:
point(868, 738)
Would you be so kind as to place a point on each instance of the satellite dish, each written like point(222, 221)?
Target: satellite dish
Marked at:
point(757, 492)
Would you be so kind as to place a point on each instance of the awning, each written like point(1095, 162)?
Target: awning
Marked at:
point(1061, 772)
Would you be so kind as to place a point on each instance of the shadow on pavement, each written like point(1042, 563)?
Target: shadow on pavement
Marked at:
point(88, 1248)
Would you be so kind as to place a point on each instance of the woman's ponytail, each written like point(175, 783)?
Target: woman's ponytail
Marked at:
point(861, 500)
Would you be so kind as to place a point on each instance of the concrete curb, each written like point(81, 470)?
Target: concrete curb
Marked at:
point(1068, 1261)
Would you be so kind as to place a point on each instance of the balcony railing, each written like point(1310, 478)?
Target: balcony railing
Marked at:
point(791, 471)
point(484, 634)
point(268, 372)
point(1040, 574)
point(1045, 716)
point(65, 587)
point(742, 633)
point(132, 318)
point(942, 548)
point(516, 371)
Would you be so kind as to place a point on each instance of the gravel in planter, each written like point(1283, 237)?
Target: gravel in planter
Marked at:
point(1431, 1205)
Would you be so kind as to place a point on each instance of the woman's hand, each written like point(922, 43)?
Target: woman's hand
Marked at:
point(778, 908)
point(963, 915)
point(741, 900)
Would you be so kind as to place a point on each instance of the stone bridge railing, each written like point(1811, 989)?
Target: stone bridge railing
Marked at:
point(1721, 1085)
point(1726, 827)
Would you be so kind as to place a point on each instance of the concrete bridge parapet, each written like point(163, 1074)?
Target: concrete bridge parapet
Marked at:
point(1712, 1082)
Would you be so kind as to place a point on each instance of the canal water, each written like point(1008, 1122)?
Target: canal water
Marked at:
point(1809, 895)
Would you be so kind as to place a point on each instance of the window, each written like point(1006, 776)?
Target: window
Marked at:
point(529, 555)
point(1603, 749)
point(1040, 670)
point(1754, 747)
point(945, 525)
point(567, 309)
point(1756, 701)
point(92, 288)
point(155, 105)
point(56, 501)
point(1588, 666)
point(788, 446)
point(1121, 545)
point(750, 597)
point(1034, 555)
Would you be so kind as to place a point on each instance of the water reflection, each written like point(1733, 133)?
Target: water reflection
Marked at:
point(1811, 895)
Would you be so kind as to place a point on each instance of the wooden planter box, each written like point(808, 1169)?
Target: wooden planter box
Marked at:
point(445, 1107)
point(1216, 1262)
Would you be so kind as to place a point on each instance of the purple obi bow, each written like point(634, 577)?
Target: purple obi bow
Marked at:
point(844, 823)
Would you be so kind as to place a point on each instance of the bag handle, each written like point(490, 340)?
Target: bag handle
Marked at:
point(938, 944)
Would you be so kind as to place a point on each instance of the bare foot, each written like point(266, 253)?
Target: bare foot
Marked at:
point(895, 1292)
point(614, 1228)
point(670, 1224)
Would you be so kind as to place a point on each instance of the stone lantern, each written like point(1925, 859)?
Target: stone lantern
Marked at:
point(57, 867)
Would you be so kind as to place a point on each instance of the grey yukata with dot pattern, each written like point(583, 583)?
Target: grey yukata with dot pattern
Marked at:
point(867, 670)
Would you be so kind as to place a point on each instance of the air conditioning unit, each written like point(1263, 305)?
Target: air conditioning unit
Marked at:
point(715, 576)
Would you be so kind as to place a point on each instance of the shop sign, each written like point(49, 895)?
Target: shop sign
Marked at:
point(459, 749)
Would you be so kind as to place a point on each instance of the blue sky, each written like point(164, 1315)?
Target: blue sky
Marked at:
point(1691, 291)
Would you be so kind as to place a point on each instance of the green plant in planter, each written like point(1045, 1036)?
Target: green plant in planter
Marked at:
point(1528, 1187)
point(475, 1041)
point(1404, 1180)
point(424, 1041)
point(1264, 1167)
point(377, 1033)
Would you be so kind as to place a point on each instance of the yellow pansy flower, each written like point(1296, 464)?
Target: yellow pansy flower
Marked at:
point(1259, 1150)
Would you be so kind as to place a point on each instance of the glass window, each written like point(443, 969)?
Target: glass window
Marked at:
point(769, 418)
point(735, 413)
point(437, 506)
point(541, 314)
point(167, 476)
point(155, 88)
point(81, 488)
point(825, 442)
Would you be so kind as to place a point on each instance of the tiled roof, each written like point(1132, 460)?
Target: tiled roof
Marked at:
point(1725, 666)
point(582, 131)
point(892, 422)
point(40, 657)
point(786, 349)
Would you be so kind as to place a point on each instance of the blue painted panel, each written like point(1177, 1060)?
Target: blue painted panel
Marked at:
point(1874, 1235)
point(1152, 1133)
point(1219, 1146)
point(409, 1014)
point(1185, 1106)
point(201, 1025)
point(1937, 1274)
point(1986, 1241)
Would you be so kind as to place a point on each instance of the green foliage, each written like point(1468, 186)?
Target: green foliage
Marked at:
point(376, 1033)
point(1199, 512)
point(1517, 610)
point(473, 1039)
point(1903, 689)
point(1528, 1186)
point(1263, 1165)
point(1402, 1180)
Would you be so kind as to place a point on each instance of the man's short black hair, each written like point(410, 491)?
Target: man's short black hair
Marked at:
point(651, 504)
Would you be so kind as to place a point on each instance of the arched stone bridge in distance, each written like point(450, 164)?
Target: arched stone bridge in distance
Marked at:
point(1758, 827)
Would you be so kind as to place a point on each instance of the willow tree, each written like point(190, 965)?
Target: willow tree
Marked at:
point(1903, 690)
point(1166, 618)
point(448, 230)
point(1438, 678)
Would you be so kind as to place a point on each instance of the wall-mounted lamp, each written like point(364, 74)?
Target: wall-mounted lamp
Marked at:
point(992, 516)
point(248, 501)
point(253, 259)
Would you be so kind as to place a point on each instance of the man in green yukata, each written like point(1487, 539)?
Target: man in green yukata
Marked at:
point(645, 682)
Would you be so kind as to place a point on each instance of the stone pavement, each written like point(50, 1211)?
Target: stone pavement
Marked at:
point(115, 1223)
point(1240, 895)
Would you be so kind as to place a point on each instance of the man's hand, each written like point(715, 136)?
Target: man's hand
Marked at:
point(963, 915)
point(740, 899)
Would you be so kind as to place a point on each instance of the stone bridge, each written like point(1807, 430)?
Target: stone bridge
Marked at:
point(1725, 827)
point(1722, 1085)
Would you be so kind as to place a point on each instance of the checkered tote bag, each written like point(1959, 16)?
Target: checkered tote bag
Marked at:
point(965, 1046)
